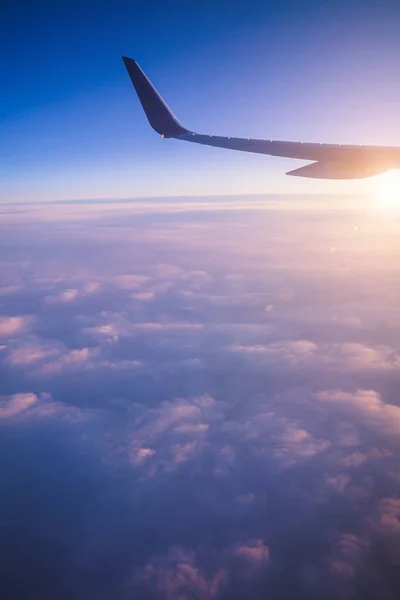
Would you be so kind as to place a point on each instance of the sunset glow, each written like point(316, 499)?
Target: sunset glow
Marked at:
point(386, 192)
point(199, 354)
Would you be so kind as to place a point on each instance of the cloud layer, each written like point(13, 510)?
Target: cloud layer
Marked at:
point(199, 401)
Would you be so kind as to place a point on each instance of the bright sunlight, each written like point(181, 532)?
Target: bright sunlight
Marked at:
point(386, 191)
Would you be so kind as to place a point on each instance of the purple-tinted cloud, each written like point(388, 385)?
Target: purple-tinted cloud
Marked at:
point(198, 404)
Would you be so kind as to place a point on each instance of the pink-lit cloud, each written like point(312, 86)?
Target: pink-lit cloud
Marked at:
point(16, 404)
point(365, 405)
point(308, 354)
point(10, 326)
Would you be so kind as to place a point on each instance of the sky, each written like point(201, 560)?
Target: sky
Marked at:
point(199, 357)
point(72, 127)
point(199, 400)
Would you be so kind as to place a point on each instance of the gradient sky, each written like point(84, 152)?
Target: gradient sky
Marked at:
point(71, 126)
point(199, 391)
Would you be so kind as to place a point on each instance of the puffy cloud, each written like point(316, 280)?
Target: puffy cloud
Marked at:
point(255, 552)
point(171, 434)
point(108, 331)
point(6, 290)
point(80, 358)
point(365, 405)
point(176, 575)
point(31, 407)
point(386, 529)
point(168, 326)
point(68, 295)
point(18, 403)
point(287, 351)
point(203, 437)
point(308, 354)
point(32, 351)
point(351, 547)
point(71, 294)
point(139, 455)
point(180, 574)
point(189, 430)
point(144, 296)
point(91, 287)
point(115, 326)
point(389, 519)
point(50, 357)
point(295, 444)
point(10, 326)
point(129, 281)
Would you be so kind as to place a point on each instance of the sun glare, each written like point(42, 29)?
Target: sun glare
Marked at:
point(386, 193)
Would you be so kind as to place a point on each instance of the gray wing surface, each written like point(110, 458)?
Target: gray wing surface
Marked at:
point(330, 161)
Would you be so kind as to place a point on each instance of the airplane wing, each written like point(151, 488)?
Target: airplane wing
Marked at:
point(330, 161)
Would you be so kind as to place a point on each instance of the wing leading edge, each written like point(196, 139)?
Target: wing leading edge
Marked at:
point(330, 161)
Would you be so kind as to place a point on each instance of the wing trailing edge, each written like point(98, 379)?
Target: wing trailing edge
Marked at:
point(338, 170)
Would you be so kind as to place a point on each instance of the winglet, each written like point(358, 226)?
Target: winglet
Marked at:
point(160, 117)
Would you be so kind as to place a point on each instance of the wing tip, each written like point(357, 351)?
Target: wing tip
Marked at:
point(159, 115)
point(128, 59)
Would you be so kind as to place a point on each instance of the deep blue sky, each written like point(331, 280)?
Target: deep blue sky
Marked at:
point(72, 127)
